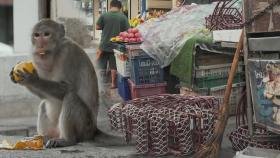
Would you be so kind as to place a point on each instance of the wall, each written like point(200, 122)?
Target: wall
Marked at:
point(66, 9)
point(6, 23)
point(25, 17)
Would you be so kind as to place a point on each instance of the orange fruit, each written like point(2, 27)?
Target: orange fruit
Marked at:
point(27, 65)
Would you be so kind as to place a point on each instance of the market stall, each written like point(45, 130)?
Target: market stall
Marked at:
point(201, 59)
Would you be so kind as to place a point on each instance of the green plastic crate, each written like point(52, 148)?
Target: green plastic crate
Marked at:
point(214, 81)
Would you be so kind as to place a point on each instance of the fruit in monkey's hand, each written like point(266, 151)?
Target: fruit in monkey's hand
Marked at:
point(21, 66)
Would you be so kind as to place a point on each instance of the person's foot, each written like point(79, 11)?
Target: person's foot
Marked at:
point(113, 86)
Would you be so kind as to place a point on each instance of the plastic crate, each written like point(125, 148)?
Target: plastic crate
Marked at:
point(120, 46)
point(219, 93)
point(123, 87)
point(135, 51)
point(123, 63)
point(145, 70)
point(216, 70)
point(214, 81)
point(138, 91)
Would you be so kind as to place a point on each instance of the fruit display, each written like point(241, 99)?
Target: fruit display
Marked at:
point(132, 35)
point(154, 14)
point(27, 65)
point(134, 22)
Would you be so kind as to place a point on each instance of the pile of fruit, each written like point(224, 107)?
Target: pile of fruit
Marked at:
point(132, 35)
point(154, 14)
point(134, 22)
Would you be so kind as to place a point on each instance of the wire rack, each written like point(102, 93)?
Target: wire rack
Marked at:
point(166, 124)
point(225, 16)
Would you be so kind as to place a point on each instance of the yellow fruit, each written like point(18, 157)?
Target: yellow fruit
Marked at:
point(35, 143)
point(118, 39)
point(20, 145)
point(114, 39)
point(27, 65)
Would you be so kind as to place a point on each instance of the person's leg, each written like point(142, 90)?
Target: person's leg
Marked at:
point(102, 61)
point(113, 68)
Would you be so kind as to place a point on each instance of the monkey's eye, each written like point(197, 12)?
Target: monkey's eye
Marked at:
point(36, 34)
point(47, 34)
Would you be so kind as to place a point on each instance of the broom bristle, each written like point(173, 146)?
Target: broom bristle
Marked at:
point(211, 148)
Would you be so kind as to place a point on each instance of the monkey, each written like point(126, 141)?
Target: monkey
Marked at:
point(65, 80)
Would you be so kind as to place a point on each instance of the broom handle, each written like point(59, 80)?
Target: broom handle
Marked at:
point(225, 109)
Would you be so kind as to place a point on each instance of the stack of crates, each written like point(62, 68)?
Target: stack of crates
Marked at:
point(219, 92)
point(146, 75)
point(123, 68)
point(139, 75)
point(216, 75)
point(211, 79)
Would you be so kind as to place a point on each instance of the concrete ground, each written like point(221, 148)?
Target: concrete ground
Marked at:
point(104, 146)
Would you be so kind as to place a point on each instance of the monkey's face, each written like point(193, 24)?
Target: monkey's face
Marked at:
point(42, 40)
point(46, 36)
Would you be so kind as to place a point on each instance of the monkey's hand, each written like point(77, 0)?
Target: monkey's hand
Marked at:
point(27, 77)
point(12, 76)
point(67, 86)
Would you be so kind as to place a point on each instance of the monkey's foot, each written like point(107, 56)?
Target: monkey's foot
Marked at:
point(56, 143)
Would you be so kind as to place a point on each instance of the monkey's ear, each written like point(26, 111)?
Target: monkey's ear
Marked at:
point(61, 30)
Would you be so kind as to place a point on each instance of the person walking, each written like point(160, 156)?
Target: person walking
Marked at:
point(111, 24)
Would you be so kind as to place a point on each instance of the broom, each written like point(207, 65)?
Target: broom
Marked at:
point(212, 147)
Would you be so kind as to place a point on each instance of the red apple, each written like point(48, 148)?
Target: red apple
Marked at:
point(126, 39)
point(134, 30)
point(122, 34)
point(122, 38)
point(130, 35)
point(139, 39)
point(125, 34)
point(137, 35)
point(132, 40)
point(129, 30)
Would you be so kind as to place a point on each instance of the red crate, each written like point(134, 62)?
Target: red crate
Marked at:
point(138, 91)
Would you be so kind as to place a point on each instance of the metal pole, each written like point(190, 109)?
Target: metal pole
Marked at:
point(248, 90)
point(96, 6)
point(143, 6)
point(246, 14)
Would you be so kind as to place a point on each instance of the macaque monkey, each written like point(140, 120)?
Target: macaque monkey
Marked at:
point(65, 79)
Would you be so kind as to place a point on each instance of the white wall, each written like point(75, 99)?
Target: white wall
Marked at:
point(66, 9)
point(26, 15)
point(133, 11)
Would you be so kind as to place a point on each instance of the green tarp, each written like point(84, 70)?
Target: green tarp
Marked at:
point(182, 65)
